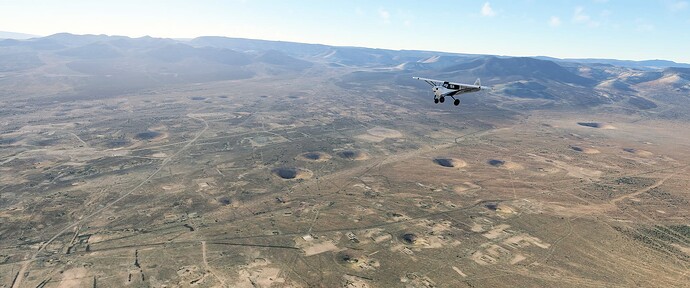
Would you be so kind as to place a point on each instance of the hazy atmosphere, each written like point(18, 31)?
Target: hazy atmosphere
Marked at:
point(634, 30)
point(344, 144)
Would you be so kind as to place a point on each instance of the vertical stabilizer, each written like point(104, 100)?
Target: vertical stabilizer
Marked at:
point(478, 82)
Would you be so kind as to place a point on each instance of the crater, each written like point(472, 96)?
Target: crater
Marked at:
point(198, 98)
point(504, 164)
point(450, 162)
point(314, 156)
point(586, 150)
point(347, 257)
point(409, 238)
point(491, 206)
point(597, 125)
point(297, 95)
point(353, 155)
point(638, 152)
point(225, 201)
point(384, 132)
point(47, 142)
point(148, 135)
point(290, 173)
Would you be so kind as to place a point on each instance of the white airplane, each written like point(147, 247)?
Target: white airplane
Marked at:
point(443, 89)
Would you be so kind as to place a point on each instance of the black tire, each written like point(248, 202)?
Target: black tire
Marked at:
point(443, 99)
point(456, 102)
point(435, 100)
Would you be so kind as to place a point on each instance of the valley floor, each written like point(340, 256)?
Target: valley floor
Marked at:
point(216, 186)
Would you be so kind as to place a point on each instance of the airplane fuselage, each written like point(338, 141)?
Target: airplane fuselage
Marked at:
point(443, 89)
point(439, 91)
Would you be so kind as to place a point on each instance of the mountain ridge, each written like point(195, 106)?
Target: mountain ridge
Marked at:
point(115, 65)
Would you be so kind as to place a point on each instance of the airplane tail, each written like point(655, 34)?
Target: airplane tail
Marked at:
point(478, 82)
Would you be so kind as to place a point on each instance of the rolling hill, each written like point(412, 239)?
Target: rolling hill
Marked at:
point(107, 66)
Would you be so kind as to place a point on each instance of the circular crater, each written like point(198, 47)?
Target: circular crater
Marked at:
point(638, 152)
point(148, 135)
point(384, 132)
point(353, 155)
point(585, 150)
point(504, 164)
point(450, 162)
point(348, 257)
point(290, 173)
point(597, 125)
point(198, 98)
point(314, 156)
point(409, 238)
point(47, 142)
point(225, 201)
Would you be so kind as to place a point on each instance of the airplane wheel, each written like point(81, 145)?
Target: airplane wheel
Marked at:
point(436, 101)
point(456, 102)
point(443, 99)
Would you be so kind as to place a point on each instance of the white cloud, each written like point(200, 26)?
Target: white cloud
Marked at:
point(487, 10)
point(580, 17)
point(554, 21)
point(385, 16)
point(676, 6)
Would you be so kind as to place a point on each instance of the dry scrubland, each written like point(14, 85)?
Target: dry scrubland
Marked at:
point(243, 184)
point(169, 190)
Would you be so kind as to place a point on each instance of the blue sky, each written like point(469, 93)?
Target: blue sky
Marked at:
point(621, 29)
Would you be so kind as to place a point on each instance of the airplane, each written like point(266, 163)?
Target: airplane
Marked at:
point(443, 89)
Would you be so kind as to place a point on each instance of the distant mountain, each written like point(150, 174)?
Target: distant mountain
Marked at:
point(281, 59)
point(106, 66)
point(251, 45)
point(97, 50)
point(518, 68)
point(178, 52)
point(15, 35)
point(642, 65)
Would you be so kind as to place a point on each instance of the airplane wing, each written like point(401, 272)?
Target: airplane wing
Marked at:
point(477, 85)
point(431, 82)
point(459, 88)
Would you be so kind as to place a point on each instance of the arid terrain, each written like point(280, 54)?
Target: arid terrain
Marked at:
point(311, 170)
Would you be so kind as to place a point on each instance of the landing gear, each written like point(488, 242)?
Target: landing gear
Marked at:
point(435, 100)
point(456, 102)
point(443, 99)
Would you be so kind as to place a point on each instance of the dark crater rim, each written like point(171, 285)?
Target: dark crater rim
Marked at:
point(312, 155)
point(148, 135)
point(591, 124)
point(409, 238)
point(286, 172)
point(445, 162)
point(496, 162)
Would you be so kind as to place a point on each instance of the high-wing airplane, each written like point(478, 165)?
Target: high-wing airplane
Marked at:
point(443, 89)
